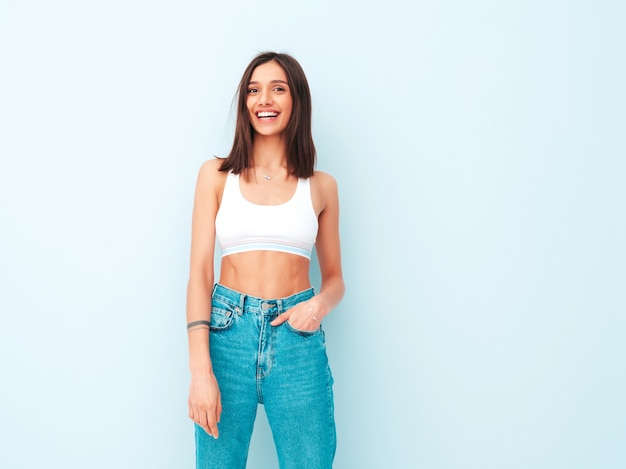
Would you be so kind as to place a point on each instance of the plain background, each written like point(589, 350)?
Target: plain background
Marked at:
point(480, 152)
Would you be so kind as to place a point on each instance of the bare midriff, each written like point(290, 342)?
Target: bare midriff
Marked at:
point(265, 274)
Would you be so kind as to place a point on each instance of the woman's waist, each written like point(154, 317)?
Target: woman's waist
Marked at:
point(265, 274)
point(263, 305)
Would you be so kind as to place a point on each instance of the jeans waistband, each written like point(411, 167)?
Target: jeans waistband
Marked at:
point(263, 305)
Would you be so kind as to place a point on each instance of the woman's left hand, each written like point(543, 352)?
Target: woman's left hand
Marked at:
point(305, 316)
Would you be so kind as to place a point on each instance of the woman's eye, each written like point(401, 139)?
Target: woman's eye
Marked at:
point(252, 90)
point(279, 89)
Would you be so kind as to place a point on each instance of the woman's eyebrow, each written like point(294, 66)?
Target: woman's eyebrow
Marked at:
point(273, 81)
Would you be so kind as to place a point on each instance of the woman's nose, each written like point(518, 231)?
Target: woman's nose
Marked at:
point(265, 97)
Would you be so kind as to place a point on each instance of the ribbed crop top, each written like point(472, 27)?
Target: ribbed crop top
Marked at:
point(243, 226)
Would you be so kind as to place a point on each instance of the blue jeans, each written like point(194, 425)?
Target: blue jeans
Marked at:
point(283, 368)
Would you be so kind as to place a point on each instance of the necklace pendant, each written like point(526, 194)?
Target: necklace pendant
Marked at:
point(267, 178)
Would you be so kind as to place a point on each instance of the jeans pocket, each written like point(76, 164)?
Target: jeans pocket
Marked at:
point(222, 315)
point(300, 331)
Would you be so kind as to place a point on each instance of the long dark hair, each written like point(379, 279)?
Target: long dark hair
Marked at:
point(298, 136)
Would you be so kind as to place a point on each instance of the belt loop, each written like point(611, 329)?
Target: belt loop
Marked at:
point(279, 305)
point(242, 300)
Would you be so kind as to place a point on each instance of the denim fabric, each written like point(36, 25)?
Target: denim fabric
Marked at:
point(283, 368)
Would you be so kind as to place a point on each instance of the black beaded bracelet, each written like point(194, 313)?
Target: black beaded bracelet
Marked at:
point(198, 323)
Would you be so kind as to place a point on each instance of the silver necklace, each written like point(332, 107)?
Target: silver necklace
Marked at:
point(268, 177)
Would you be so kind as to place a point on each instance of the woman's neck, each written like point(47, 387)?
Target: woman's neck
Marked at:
point(269, 152)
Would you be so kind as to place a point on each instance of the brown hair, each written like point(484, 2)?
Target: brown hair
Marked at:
point(298, 136)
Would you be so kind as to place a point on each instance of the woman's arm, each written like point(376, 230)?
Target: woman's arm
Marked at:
point(204, 395)
point(328, 248)
point(308, 315)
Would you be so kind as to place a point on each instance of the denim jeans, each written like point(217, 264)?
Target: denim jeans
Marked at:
point(283, 368)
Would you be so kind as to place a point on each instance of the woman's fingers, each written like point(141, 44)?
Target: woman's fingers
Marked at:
point(207, 420)
point(213, 417)
point(212, 427)
point(302, 317)
point(202, 420)
point(205, 403)
point(281, 318)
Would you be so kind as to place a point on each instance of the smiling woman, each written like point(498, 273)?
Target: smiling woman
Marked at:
point(257, 339)
point(269, 100)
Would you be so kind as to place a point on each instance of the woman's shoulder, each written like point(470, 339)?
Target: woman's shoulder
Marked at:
point(323, 179)
point(212, 165)
point(323, 190)
point(210, 175)
point(210, 169)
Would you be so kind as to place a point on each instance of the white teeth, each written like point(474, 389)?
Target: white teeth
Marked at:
point(267, 114)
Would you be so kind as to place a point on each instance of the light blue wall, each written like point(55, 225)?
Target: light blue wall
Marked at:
point(480, 151)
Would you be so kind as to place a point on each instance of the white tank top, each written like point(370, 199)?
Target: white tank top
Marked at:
point(243, 226)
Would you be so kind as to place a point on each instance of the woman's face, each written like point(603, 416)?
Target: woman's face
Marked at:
point(269, 99)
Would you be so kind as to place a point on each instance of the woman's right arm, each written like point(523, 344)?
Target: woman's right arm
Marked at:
point(204, 395)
